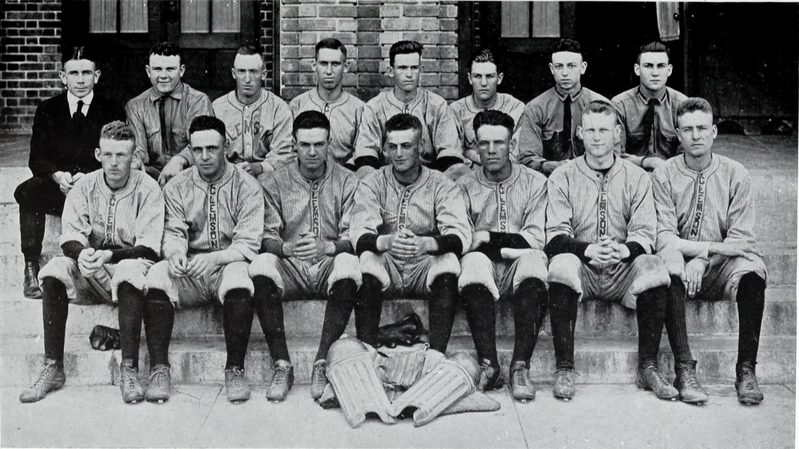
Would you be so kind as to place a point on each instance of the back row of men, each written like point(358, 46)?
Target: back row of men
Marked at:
point(588, 231)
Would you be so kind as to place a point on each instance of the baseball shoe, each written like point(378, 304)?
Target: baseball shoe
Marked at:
point(650, 379)
point(564, 384)
point(236, 387)
point(50, 379)
point(132, 391)
point(520, 386)
point(690, 389)
point(318, 379)
point(281, 381)
point(31, 288)
point(160, 386)
point(490, 377)
point(746, 384)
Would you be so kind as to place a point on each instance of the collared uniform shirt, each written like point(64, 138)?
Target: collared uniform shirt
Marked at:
point(540, 136)
point(440, 136)
point(203, 217)
point(183, 105)
point(465, 109)
point(345, 118)
point(632, 105)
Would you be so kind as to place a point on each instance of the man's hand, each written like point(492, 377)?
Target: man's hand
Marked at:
point(252, 168)
point(405, 244)
point(550, 166)
point(199, 265)
point(172, 168)
point(652, 162)
point(177, 265)
point(692, 275)
point(363, 171)
point(309, 247)
point(90, 261)
point(479, 238)
point(736, 249)
point(65, 181)
point(513, 253)
point(606, 252)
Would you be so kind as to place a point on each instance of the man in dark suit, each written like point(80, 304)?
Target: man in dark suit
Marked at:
point(66, 131)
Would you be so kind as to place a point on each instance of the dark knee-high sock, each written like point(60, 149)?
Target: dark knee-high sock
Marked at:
point(443, 305)
point(751, 301)
point(55, 309)
point(368, 309)
point(131, 314)
point(237, 323)
point(563, 316)
point(159, 318)
point(269, 307)
point(340, 303)
point(651, 312)
point(529, 307)
point(676, 328)
point(481, 315)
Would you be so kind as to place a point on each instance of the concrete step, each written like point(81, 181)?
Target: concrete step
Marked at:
point(598, 361)
point(23, 318)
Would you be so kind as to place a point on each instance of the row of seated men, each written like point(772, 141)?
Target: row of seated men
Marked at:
point(588, 231)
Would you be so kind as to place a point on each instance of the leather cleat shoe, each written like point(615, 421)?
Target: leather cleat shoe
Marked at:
point(690, 390)
point(132, 391)
point(281, 381)
point(236, 386)
point(318, 379)
point(746, 385)
point(490, 377)
point(564, 384)
point(520, 386)
point(30, 287)
point(160, 386)
point(650, 379)
point(50, 379)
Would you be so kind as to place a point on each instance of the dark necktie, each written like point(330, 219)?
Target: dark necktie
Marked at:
point(165, 140)
point(647, 123)
point(567, 126)
point(78, 115)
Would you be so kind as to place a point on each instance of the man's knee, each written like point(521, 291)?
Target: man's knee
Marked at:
point(235, 276)
point(345, 267)
point(374, 266)
point(477, 269)
point(446, 264)
point(564, 269)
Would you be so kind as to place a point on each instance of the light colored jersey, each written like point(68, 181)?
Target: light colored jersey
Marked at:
point(345, 119)
point(465, 109)
point(100, 218)
point(514, 206)
point(586, 205)
point(441, 132)
point(203, 217)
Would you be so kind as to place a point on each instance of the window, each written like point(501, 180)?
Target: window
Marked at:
point(530, 19)
point(123, 16)
point(206, 16)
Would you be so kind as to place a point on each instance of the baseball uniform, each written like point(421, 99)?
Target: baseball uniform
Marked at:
point(345, 118)
point(465, 109)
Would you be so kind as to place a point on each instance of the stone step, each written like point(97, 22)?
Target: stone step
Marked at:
point(303, 319)
point(598, 361)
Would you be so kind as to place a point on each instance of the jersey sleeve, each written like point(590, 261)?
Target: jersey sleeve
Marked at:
point(280, 140)
point(447, 138)
point(75, 220)
point(249, 225)
point(531, 147)
point(176, 227)
point(369, 140)
point(451, 216)
point(136, 122)
point(347, 203)
point(559, 211)
point(517, 113)
point(150, 219)
point(641, 227)
point(366, 217)
point(741, 214)
point(273, 223)
point(667, 224)
point(535, 216)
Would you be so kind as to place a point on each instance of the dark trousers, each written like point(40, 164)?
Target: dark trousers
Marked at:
point(37, 197)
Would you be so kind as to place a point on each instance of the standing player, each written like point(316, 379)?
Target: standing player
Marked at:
point(409, 225)
point(705, 220)
point(547, 135)
point(258, 122)
point(307, 249)
point(65, 133)
point(506, 203)
point(112, 227)
point(440, 143)
point(485, 77)
point(600, 232)
point(342, 109)
point(160, 116)
point(214, 221)
point(648, 111)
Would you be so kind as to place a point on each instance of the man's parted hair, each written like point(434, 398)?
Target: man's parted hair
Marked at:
point(310, 120)
point(167, 49)
point(404, 48)
point(566, 44)
point(694, 104)
point(485, 55)
point(601, 107)
point(117, 130)
point(331, 44)
point(653, 47)
point(80, 52)
point(403, 122)
point(492, 117)
point(205, 123)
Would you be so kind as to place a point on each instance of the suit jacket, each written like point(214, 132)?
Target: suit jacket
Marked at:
point(60, 143)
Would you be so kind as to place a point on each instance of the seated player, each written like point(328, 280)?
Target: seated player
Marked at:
point(307, 251)
point(214, 221)
point(409, 225)
point(507, 204)
point(600, 232)
point(111, 234)
point(705, 235)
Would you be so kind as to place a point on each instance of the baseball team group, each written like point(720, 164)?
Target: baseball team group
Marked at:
point(175, 201)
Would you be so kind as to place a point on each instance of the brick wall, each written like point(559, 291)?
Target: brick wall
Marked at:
point(368, 28)
point(267, 38)
point(30, 58)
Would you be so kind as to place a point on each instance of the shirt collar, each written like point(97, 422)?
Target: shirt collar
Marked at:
point(574, 96)
point(73, 100)
point(177, 94)
point(645, 96)
point(400, 105)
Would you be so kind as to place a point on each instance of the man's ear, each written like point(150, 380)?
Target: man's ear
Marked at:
point(583, 67)
point(346, 66)
point(499, 78)
point(580, 132)
point(182, 69)
point(97, 154)
point(637, 69)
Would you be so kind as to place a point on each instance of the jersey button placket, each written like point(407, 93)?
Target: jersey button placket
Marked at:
point(401, 223)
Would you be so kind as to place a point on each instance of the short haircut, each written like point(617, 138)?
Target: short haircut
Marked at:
point(694, 104)
point(653, 47)
point(331, 44)
point(601, 107)
point(167, 49)
point(493, 117)
point(566, 44)
point(310, 120)
point(403, 122)
point(117, 130)
point(79, 52)
point(248, 50)
point(404, 48)
point(205, 123)
point(485, 55)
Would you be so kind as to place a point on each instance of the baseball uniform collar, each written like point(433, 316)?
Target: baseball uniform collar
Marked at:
point(126, 190)
point(514, 174)
point(583, 166)
point(296, 173)
point(234, 100)
point(318, 100)
point(715, 161)
point(200, 182)
point(177, 94)
point(420, 92)
point(388, 172)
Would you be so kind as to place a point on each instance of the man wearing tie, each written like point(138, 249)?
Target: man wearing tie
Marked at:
point(66, 131)
point(648, 111)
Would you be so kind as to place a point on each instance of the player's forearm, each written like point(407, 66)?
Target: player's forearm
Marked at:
point(444, 162)
point(508, 240)
point(635, 249)
point(690, 248)
point(226, 256)
point(340, 246)
point(273, 246)
point(72, 249)
point(562, 243)
point(170, 249)
point(442, 244)
point(371, 161)
point(137, 252)
point(368, 242)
